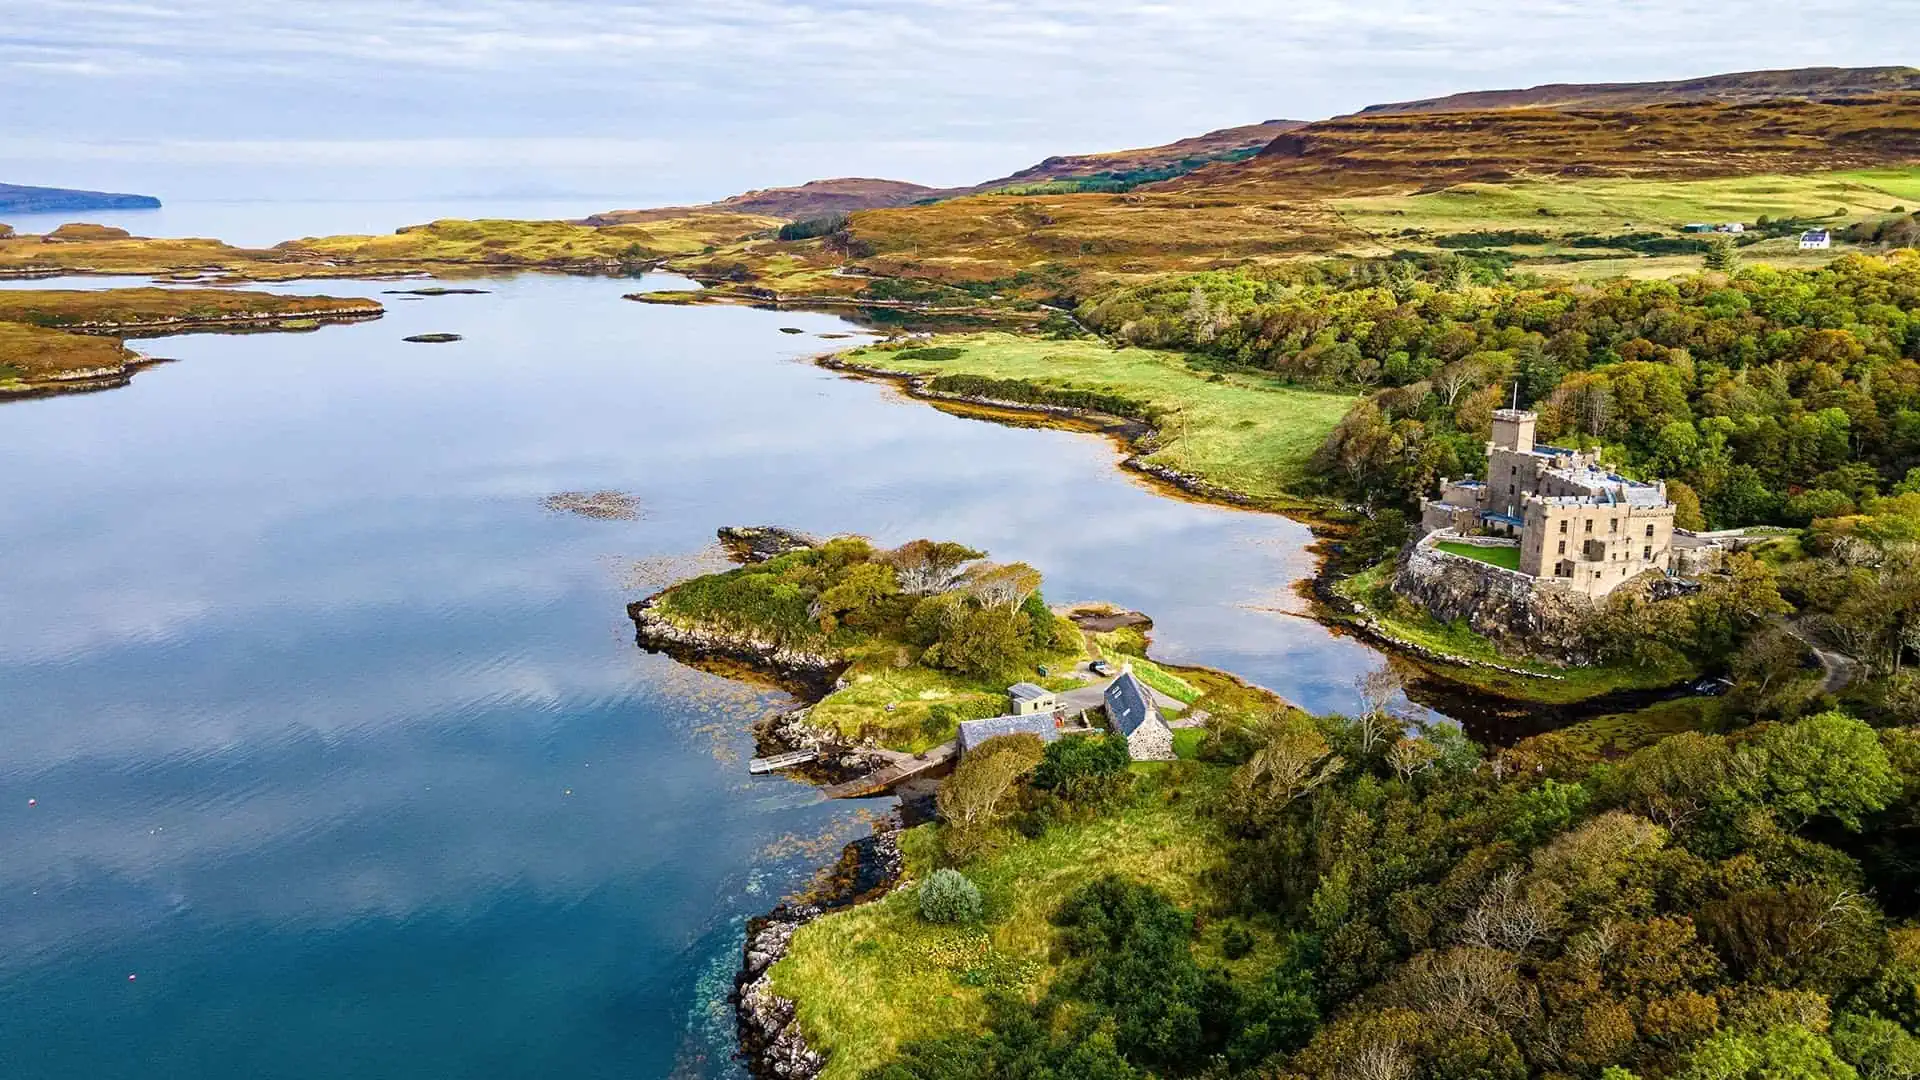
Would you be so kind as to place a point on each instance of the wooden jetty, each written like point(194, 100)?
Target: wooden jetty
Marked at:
point(760, 766)
point(898, 769)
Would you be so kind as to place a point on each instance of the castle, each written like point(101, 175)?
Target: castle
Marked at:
point(1579, 526)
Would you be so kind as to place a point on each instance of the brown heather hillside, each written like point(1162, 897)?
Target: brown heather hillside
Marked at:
point(822, 198)
point(1737, 88)
point(814, 199)
point(1213, 144)
point(1357, 154)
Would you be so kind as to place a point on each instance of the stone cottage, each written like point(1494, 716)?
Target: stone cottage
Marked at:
point(1131, 713)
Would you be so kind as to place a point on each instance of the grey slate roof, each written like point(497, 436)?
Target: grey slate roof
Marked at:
point(1026, 691)
point(1129, 704)
point(975, 732)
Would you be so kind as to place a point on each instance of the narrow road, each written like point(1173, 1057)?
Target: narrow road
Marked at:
point(1840, 668)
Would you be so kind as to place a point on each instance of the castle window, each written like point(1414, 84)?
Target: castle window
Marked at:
point(1596, 575)
point(1589, 524)
point(1649, 532)
point(1647, 553)
point(1563, 528)
point(1563, 544)
point(1613, 525)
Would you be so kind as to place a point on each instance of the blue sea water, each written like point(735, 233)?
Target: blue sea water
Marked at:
point(325, 751)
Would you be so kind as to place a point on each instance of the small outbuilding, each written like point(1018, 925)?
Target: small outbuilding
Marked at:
point(974, 732)
point(1131, 713)
point(1027, 698)
point(1815, 239)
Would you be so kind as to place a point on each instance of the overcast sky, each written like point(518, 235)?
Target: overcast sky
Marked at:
point(668, 101)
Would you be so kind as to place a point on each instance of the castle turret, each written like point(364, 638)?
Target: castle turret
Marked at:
point(1513, 429)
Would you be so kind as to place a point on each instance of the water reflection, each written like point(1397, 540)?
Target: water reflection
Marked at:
point(336, 733)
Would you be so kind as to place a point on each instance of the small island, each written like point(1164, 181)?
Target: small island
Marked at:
point(907, 656)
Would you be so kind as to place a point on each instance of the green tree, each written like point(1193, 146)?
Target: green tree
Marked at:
point(1827, 765)
point(1085, 768)
point(1789, 1052)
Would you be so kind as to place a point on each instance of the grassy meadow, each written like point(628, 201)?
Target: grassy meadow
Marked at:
point(872, 977)
point(1561, 208)
point(1246, 433)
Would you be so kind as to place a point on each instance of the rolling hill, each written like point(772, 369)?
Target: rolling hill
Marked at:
point(1113, 170)
point(814, 199)
point(1811, 84)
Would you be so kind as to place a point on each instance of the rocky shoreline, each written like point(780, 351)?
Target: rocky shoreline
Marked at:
point(814, 672)
point(771, 1043)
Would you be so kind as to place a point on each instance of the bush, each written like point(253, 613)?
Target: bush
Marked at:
point(812, 227)
point(1083, 767)
point(932, 354)
point(948, 898)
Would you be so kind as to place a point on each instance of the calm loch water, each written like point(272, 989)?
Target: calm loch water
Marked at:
point(326, 749)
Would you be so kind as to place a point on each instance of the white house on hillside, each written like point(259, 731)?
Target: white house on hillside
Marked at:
point(1815, 238)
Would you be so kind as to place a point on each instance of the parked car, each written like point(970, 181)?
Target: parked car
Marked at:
point(1102, 668)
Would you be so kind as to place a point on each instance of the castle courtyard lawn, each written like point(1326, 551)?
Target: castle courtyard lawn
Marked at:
point(1507, 558)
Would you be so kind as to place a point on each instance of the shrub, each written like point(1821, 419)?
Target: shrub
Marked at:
point(932, 354)
point(812, 227)
point(948, 898)
point(1084, 767)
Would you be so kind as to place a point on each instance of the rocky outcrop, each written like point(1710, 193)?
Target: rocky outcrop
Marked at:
point(1508, 607)
point(771, 1041)
point(758, 543)
point(657, 632)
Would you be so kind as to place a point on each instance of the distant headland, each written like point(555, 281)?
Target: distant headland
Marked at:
point(18, 199)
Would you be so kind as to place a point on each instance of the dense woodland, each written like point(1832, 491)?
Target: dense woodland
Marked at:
point(1715, 906)
point(1770, 396)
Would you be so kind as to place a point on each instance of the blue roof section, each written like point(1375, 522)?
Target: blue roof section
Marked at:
point(975, 732)
point(1509, 519)
point(1129, 704)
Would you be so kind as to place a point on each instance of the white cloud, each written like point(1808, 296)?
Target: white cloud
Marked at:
point(767, 82)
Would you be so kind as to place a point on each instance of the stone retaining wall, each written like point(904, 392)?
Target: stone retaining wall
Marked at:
point(1503, 605)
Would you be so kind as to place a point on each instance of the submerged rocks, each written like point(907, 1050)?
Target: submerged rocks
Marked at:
point(432, 339)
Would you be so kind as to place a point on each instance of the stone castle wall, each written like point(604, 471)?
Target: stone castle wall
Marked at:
point(1511, 609)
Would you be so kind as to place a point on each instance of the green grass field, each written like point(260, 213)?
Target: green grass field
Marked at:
point(1246, 433)
point(1904, 183)
point(1505, 557)
point(1612, 206)
point(870, 978)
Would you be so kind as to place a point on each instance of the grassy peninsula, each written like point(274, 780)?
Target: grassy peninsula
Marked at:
point(55, 340)
point(1244, 433)
point(439, 246)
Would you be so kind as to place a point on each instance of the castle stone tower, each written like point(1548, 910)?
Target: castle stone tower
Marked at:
point(1513, 429)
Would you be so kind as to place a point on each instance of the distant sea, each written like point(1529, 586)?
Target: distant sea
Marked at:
point(261, 223)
